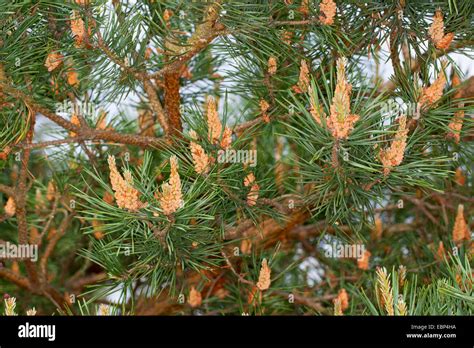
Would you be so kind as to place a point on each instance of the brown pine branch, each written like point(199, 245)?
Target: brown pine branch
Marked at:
point(84, 133)
point(172, 102)
point(20, 199)
point(156, 106)
point(15, 278)
point(9, 191)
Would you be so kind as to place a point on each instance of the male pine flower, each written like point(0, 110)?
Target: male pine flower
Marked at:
point(455, 126)
point(215, 126)
point(272, 66)
point(252, 196)
point(436, 32)
point(195, 297)
point(456, 123)
point(385, 289)
point(337, 307)
point(363, 262)
point(433, 93)
point(200, 158)
point(316, 109)
point(264, 106)
point(264, 280)
point(213, 121)
point(53, 60)
point(10, 304)
point(461, 229)
point(78, 29)
point(51, 191)
point(303, 80)
point(10, 207)
point(126, 195)
point(341, 121)
point(344, 299)
point(171, 198)
point(328, 11)
point(393, 156)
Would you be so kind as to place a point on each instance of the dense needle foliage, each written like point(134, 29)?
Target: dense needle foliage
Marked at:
point(237, 157)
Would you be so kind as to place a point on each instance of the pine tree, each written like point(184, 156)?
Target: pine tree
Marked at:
point(236, 157)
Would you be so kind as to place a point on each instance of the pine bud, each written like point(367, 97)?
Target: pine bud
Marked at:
point(82, 2)
point(252, 298)
point(226, 140)
point(78, 29)
point(402, 275)
point(10, 207)
point(264, 280)
point(249, 179)
point(74, 121)
point(31, 312)
point(328, 12)
point(246, 246)
point(337, 307)
point(213, 122)
point(304, 8)
point(195, 298)
point(303, 80)
point(10, 304)
point(53, 60)
point(103, 310)
point(101, 123)
point(272, 66)
point(460, 230)
point(264, 106)
point(73, 77)
point(363, 262)
point(97, 227)
point(15, 267)
point(344, 299)
point(378, 228)
point(441, 252)
point(436, 30)
point(252, 196)
point(434, 92)
point(401, 306)
point(148, 53)
point(167, 14)
point(315, 110)
point(455, 126)
point(459, 177)
point(50, 191)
